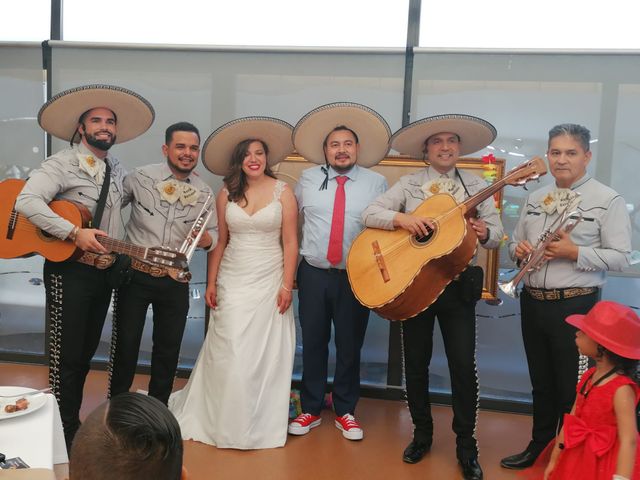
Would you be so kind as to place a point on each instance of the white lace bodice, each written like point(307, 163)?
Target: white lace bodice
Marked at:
point(259, 230)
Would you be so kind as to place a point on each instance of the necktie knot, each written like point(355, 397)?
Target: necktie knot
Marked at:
point(341, 179)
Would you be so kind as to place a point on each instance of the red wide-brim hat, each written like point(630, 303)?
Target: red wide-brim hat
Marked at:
point(614, 326)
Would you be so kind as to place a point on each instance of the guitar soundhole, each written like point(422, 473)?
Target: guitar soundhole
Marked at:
point(45, 236)
point(423, 239)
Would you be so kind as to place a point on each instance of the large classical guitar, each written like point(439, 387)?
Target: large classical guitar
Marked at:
point(399, 275)
point(20, 238)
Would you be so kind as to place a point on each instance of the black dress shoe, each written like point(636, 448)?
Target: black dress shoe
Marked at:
point(471, 469)
point(415, 451)
point(519, 460)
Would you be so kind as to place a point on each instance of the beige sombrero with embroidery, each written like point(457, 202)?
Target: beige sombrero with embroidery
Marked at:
point(474, 132)
point(372, 130)
point(218, 148)
point(60, 115)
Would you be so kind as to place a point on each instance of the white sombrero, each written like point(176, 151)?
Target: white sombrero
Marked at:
point(218, 148)
point(372, 130)
point(475, 133)
point(60, 115)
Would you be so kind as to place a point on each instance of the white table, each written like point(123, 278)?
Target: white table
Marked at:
point(36, 437)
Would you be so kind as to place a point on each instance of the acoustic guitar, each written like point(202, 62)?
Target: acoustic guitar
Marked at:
point(398, 274)
point(21, 238)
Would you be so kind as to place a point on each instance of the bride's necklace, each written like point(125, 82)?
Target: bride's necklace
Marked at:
point(583, 390)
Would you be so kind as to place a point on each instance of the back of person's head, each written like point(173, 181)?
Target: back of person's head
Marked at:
point(131, 436)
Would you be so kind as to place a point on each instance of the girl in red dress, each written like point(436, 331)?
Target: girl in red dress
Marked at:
point(599, 438)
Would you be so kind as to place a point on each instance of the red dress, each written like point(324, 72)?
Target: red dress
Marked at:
point(591, 435)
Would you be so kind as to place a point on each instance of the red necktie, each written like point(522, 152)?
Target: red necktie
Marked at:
point(334, 252)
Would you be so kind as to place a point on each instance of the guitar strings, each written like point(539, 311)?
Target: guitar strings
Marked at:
point(21, 224)
point(24, 225)
point(395, 247)
point(526, 170)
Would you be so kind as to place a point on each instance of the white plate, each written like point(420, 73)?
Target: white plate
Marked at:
point(35, 401)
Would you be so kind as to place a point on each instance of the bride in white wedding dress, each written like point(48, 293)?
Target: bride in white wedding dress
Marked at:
point(238, 392)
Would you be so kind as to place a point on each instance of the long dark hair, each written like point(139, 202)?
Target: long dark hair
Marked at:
point(627, 366)
point(236, 180)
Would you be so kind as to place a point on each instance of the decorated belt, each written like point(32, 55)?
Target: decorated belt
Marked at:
point(559, 293)
point(98, 260)
point(144, 267)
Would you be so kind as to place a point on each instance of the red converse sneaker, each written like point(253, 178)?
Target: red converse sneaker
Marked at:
point(350, 428)
point(303, 423)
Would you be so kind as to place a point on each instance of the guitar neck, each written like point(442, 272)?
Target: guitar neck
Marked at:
point(518, 176)
point(472, 202)
point(120, 246)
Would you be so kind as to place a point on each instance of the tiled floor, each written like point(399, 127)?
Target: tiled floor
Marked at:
point(324, 453)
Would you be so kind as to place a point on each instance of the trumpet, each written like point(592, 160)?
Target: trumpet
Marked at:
point(535, 259)
point(193, 237)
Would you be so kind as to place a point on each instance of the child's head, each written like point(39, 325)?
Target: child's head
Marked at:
point(608, 329)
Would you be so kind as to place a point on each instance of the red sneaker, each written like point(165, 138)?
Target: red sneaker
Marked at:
point(350, 427)
point(303, 423)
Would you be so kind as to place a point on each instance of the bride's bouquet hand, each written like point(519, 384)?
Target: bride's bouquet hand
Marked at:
point(284, 299)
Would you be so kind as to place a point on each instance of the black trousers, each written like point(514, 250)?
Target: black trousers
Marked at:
point(325, 296)
point(170, 302)
point(78, 298)
point(457, 321)
point(552, 356)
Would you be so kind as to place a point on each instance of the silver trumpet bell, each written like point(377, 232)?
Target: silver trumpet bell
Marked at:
point(510, 288)
point(193, 237)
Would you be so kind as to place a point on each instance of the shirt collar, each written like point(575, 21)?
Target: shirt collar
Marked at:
point(581, 181)
point(433, 174)
point(166, 173)
point(82, 148)
point(351, 174)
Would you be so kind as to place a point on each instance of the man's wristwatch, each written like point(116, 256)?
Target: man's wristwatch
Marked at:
point(73, 234)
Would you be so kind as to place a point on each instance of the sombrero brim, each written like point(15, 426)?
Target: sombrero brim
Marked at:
point(475, 133)
point(372, 130)
point(218, 148)
point(60, 115)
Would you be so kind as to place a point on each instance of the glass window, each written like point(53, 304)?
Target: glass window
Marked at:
point(210, 88)
point(524, 95)
point(543, 24)
point(25, 20)
point(22, 319)
point(330, 23)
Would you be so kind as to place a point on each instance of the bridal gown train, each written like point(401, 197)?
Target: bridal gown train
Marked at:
point(238, 392)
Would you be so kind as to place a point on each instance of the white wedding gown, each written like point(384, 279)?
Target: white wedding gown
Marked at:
point(238, 392)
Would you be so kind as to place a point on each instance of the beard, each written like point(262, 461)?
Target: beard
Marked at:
point(175, 166)
point(341, 169)
point(103, 145)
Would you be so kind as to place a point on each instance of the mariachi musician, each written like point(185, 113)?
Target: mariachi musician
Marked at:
point(165, 199)
point(440, 140)
point(91, 118)
point(571, 279)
